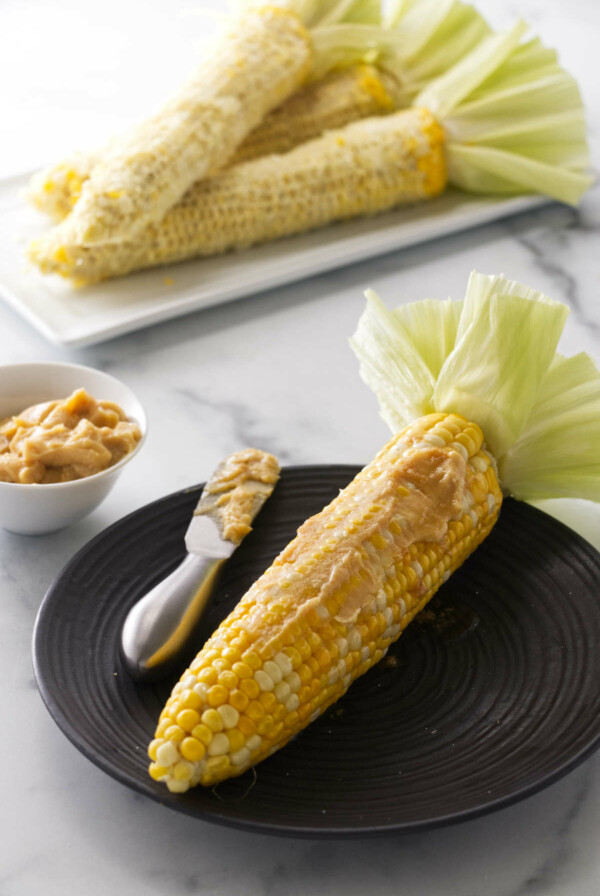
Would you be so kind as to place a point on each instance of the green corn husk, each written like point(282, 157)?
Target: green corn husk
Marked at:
point(432, 36)
point(513, 119)
point(493, 359)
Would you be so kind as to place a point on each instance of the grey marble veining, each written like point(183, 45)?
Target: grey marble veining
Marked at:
point(274, 370)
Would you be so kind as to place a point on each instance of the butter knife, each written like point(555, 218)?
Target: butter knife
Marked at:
point(158, 627)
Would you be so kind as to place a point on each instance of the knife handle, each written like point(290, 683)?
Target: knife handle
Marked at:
point(158, 625)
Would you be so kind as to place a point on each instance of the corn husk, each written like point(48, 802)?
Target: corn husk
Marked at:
point(493, 359)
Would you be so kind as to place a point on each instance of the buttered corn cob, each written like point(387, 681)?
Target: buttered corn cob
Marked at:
point(370, 166)
point(336, 100)
point(262, 61)
point(331, 604)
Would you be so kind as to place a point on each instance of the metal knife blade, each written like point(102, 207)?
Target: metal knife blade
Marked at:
point(203, 537)
point(159, 625)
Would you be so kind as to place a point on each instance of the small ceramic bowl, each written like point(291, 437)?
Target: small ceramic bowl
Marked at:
point(36, 509)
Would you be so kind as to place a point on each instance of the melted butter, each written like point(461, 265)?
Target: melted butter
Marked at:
point(436, 481)
point(237, 491)
point(333, 552)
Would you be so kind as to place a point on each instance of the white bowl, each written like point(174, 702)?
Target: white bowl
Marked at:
point(36, 509)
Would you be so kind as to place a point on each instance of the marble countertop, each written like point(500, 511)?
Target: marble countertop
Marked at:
point(272, 370)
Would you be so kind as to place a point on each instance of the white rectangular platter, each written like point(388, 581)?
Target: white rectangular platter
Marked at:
point(78, 317)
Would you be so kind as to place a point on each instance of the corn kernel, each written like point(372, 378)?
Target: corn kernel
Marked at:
point(278, 712)
point(192, 749)
point(228, 680)
point(250, 687)
point(304, 673)
point(252, 659)
point(312, 664)
point(182, 771)
point(175, 733)
point(188, 719)
point(303, 648)
point(217, 695)
point(303, 712)
point(239, 700)
point(304, 694)
point(255, 710)
point(265, 726)
point(190, 700)
point(243, 670)
point(292, 720)
point(229, 715)
point(268, 699)
point(177, 786)
point(219, 745)
point(163, 725)
point(203, 734)
point(241, 757)
point(153, 747)
point(264, 681)
point(236, 740)
point(208, 676)
point(167, 754)
point(294, 681)
point(212, 720)
point(246, 726)
point(216, 768)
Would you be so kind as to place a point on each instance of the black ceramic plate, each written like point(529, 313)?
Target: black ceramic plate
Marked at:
point(491, 694)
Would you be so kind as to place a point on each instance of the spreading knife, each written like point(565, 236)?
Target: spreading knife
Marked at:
point(158, 627)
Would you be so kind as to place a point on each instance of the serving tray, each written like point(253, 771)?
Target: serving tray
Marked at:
point(78, 317)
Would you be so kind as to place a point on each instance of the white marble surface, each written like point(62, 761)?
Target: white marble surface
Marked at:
point(273, 370)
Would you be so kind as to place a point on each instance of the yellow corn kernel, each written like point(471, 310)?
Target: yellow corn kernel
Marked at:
point(228, 680)
point(255, 710)
point(153, 747)
point(190, 700)
point(236, 740)
point(182, 770)
point(175, 733)
point(239, 700)
point(247, 726)
point(208, 676)
point(212, 720)
point(250, 687)
point(188, 719)
point(202, 733)
point(217, 695)
point(242, 670)
point(192, 749)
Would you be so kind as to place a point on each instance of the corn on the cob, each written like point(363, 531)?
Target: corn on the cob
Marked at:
point(428, 38)
point(331, 604)
point(261, 62)
point(370, 166)
point(334, 101)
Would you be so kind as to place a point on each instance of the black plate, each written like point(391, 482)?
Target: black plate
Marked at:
point(491, 694)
